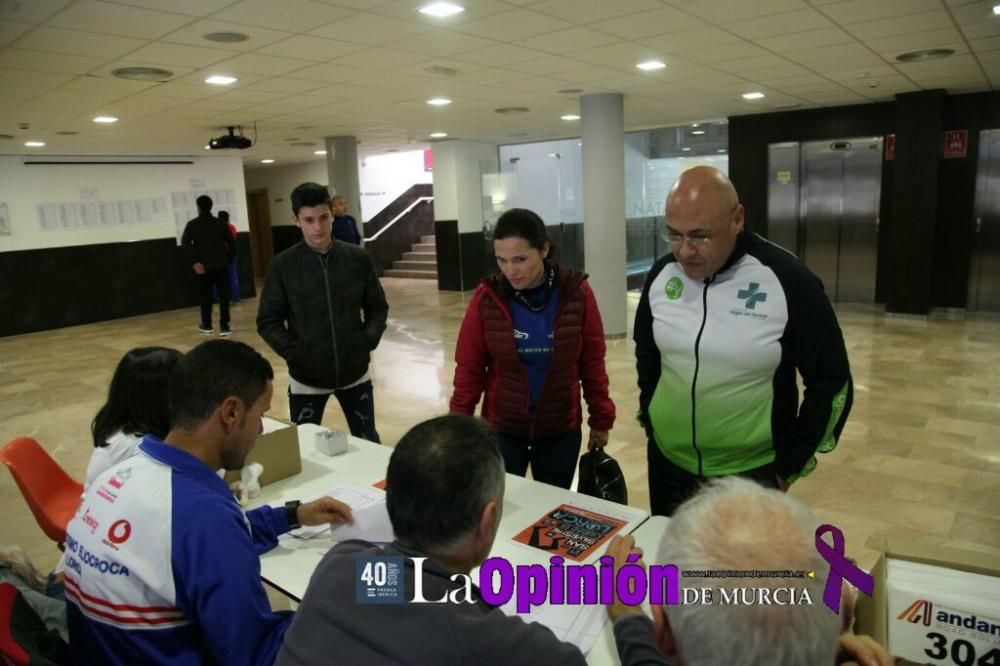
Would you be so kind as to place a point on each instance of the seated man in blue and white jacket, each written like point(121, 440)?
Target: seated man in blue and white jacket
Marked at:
point(162, 565)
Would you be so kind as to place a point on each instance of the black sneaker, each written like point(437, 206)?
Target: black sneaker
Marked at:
point(207, 330)
point(224, 331)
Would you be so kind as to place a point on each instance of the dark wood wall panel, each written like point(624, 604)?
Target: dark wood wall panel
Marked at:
point(448, 247)
point(914, 201)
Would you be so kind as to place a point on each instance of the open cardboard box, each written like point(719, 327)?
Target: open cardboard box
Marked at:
point(277, 450)
point(874, 617)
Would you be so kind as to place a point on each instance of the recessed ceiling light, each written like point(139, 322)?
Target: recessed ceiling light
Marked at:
point(753, 95)
point(142, 73)
point(221, 80)
point(267, 161)
point(34, 144)
point(319, 152)
point(226, 37)
point(441, 9)
point(924, 54)
point(651, 65)
point(438, 135)
point(699, 132)
point(996, 10)
point(439, 101)
point(208, 147)
point(105, 119)
point(721, 150)
point(570, 116)
point(686, 148)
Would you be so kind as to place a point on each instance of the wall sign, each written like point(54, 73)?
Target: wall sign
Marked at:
point(956, 143)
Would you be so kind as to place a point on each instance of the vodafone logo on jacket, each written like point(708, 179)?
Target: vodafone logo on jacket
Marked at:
point(118, 533)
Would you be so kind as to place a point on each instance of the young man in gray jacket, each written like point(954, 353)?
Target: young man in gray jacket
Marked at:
point(444, 494)
point(323, 310)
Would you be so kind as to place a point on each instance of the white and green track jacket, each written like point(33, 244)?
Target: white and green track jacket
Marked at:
point(717, 361)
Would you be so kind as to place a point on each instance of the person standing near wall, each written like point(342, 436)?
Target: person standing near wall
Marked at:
point(345, 227)
point(531, 337)
point(209, 247)
point(323, 310)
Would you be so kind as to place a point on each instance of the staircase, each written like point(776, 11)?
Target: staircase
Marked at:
point(420, 262)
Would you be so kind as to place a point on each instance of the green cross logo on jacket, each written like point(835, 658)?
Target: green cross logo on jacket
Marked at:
point(752, 296)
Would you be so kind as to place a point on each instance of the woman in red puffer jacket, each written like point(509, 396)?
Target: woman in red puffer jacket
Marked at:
point(531, 338)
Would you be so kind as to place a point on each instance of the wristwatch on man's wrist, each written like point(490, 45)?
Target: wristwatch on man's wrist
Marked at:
point(292, 514)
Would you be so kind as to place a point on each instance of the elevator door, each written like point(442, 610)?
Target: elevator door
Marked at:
point(984, 276)
point(838, 215)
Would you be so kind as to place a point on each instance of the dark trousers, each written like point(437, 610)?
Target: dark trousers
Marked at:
point(670, 485)
point(358, 403)
point(234, 284)
point(552, 459)
point(217, 278)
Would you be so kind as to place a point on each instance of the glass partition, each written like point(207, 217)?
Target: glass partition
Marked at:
point(547, 177)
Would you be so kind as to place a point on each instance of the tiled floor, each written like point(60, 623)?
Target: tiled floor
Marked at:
point(919, 458)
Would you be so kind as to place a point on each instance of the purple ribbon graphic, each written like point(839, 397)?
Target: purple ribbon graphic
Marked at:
point(840, 568)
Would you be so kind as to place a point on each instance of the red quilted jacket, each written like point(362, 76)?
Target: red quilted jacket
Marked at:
point(487, 360)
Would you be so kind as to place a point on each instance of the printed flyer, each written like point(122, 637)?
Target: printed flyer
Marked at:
point(570, 531)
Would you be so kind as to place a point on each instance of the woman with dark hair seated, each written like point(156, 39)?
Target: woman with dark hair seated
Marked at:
point(531, 338)
point(137, 405)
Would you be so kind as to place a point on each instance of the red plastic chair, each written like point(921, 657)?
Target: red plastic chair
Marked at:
point(24, 639)
point(52, 495)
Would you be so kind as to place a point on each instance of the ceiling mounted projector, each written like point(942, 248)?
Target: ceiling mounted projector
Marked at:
point(231, 140)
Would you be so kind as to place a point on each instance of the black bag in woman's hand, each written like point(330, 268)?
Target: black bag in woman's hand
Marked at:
point(601, 476)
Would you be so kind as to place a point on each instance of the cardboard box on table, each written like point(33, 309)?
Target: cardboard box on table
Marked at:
point(277, 450)
point(933, 627)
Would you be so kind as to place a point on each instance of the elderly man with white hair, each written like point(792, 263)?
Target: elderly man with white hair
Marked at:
point(734, 524)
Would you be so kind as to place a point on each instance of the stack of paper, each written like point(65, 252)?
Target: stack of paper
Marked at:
point(371, 519)
point(942, 616)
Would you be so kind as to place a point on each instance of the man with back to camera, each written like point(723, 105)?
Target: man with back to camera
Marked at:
point(210, 248)
point(734, 524)
point(444, 491)
point(724, 322)
point(345, 227)
point(162, 565)
point(323, 310)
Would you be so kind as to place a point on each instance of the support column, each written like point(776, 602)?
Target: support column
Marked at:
point(458, 211)
point(342, 171)
point(604, 206)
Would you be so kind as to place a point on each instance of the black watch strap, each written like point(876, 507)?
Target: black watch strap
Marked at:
point(292, 514)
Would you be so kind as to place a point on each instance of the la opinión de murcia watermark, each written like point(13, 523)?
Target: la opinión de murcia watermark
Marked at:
point(380, 580)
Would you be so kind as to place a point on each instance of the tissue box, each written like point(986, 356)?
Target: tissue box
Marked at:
point(277, 450)
point(331, 442)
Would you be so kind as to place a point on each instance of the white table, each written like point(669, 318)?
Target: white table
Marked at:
point(647, 537)
point(288, 567)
